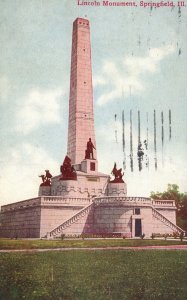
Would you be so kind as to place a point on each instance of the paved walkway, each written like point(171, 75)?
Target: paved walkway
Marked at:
point(170, 247)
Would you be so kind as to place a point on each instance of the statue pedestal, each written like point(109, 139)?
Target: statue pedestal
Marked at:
point(44, 191)
point(89, 166)
point(117, 189)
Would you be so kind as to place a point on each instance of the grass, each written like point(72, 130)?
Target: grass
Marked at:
point(43, 244)
point(94, 275)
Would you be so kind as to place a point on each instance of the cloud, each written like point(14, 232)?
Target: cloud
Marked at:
point(149, 63)
point(38, 108)
point(19, 172)
point(98, 80)
point(128, 76)
point(4, 88)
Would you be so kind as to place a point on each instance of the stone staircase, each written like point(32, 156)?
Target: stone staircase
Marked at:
point(167, 222)
point(59, 229)
point(97, 200)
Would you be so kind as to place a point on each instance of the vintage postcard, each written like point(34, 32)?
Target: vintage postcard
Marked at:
point(93, 145)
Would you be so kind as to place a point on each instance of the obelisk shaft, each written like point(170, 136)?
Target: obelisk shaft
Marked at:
point(81, 115)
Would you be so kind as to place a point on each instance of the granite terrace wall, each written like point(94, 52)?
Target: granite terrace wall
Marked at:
point(161, 228)
point(112, 218)
point(167, 208)
point(111, 215)
point(21, 219)
point(119, 216)
point(83, 225)
point(36, 217)
point(56, 210)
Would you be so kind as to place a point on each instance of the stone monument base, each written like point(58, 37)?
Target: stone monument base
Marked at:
point(117, 189)
point(49, 216)
point(44, 190)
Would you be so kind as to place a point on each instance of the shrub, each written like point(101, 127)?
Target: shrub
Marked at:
point(175, 235)
point(181, 236)
point(62, 236)
point(152, 236)
point(142, 236)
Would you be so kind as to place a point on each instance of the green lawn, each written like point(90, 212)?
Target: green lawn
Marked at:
point(94, 275)
point(36, 244)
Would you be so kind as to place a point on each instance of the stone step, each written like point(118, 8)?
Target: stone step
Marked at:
point(166, 221)
point(59, 229)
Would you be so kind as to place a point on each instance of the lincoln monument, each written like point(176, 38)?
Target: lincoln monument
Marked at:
point(82, 200)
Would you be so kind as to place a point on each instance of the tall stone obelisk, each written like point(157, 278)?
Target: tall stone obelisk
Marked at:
point(81, 115)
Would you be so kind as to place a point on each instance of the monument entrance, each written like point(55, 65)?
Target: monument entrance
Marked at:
point(138, 227)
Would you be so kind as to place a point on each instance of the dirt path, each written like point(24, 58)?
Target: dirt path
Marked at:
point(170, 247)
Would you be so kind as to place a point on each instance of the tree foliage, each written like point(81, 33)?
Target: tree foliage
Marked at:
point(173, 193)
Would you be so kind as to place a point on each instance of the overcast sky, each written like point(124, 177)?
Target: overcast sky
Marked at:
point(139, 61)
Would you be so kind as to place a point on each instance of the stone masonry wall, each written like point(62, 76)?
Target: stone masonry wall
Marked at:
point(170, 214)
point(53, 216)
point(83, 225)
point(21, 223)
point(113, 218)
point(36, 217)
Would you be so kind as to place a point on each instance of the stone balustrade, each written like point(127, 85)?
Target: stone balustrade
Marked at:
point(135, 200)
point(163, 203)
point(124, 200)
point(21, 204)
point(49, 200)
point(45, 200)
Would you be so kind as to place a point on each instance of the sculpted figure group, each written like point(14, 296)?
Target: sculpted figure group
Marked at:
point(46, 179)
point(117, 174)
point(67, 170)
